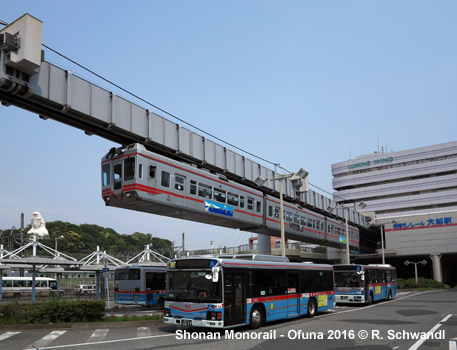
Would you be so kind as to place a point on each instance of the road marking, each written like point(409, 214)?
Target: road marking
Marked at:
point(453, 344)
point(434, 328)
point(98, 335)
point(364, 307)
point(47, 339)
point(7, 335)
point(143, 332)
point(105, 342)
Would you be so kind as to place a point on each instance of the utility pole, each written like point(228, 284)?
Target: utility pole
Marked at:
point(22, 233)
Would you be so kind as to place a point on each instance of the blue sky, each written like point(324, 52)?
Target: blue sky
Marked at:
point(300, 83)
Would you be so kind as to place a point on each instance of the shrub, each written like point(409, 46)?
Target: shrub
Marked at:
point(53, 311)
point(421, 283)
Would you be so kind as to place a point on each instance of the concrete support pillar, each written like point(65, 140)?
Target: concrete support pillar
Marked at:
point(264, 244)
point(344, 257)
point(437, 273)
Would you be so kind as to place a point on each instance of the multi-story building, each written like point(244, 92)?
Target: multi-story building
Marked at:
point(413, 195)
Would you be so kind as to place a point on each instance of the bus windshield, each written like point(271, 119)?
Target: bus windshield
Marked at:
point(348, 279)
point(196, 286)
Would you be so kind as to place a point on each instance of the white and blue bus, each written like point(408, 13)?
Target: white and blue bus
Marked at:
point(231, 291)
point(142, 285)
point(364, 283)
point(22, 286)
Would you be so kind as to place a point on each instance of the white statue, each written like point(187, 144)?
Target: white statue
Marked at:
point(38, 225)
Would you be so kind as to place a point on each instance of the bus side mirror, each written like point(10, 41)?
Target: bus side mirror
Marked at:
point(215, 271)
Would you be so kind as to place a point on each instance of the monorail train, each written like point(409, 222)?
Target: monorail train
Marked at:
point(138, 179)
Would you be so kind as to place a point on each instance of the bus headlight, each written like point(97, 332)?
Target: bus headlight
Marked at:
point(213, 316)
point(167, 312)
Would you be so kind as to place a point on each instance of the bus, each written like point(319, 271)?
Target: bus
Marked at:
point(364, 284)
point(141, 285)
point(22, 286)
point(230, 291)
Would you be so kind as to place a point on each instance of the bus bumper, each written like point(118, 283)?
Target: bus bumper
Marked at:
point(193, 323)
point(357, 299)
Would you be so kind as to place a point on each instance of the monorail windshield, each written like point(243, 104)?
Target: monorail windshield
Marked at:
point(193, 286)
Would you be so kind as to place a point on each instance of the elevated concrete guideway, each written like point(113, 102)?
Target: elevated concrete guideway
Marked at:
point(30, 83)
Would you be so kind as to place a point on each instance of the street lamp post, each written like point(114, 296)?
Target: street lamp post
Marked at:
point(423, 262)
point(383, 228)
point(260, 181)
point(61, 237)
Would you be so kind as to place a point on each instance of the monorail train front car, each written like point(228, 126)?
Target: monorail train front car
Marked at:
point(138, 179)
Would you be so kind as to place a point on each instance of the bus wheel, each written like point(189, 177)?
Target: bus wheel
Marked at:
point(370, 299)
point(256, 317)
point(85, 293)
point(312, 308)
point(389, 297)
point(16, 295)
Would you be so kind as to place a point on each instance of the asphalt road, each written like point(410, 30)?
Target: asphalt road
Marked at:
point(398, 324)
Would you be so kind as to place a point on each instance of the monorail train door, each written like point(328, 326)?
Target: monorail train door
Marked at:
point(117, 178)
point(233, 299)
point(179, 189)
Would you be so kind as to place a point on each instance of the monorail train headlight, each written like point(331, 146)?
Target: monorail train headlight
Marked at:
point(107, 198)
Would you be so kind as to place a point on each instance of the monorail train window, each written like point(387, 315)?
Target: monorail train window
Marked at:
point(165, 182)
point(129, 169)
point(219, 195)
point(289, 216)
point(276, 212)
point(179, 182)
point(106, 176)
point(318, 224)
point(258, 205)
point(250, 203)
point(232, 199)
point(296, 219)
point(140, 171)
point(302, 221)
point(270, 210)
point(310, 223)
point(193, 187)
point(117, 173)
point(205, 191)
point(241, 202)
point(152, 171)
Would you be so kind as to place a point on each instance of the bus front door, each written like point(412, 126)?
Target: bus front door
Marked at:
point(233, 299)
